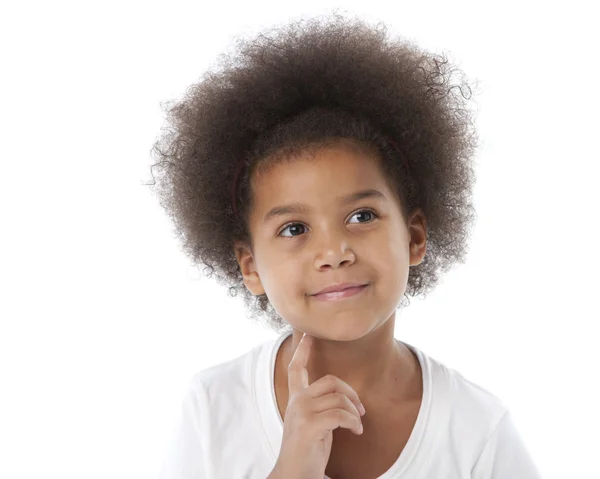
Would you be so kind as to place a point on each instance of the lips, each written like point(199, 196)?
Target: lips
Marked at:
point(335, 288)
point(345, 294)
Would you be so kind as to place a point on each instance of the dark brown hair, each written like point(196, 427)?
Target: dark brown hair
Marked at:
point(301, 87)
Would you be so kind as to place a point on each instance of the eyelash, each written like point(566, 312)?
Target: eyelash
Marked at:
point(286, 226)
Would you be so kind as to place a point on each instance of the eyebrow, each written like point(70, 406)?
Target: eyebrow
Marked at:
point(300, 208)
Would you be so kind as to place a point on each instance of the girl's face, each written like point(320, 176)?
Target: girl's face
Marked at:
point(330, 237)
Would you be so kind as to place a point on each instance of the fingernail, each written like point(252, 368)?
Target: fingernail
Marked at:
point(362, 410)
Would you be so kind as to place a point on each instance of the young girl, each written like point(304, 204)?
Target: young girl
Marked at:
point(325, 173)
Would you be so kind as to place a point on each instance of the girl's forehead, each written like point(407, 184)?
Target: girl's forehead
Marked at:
point(337, 161)
point(328, 178)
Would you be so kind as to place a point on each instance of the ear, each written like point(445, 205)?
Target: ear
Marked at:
point(417, 227)
point(245, 259)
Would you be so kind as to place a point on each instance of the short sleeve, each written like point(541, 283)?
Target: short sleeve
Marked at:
point(184, 457)
point(505, 455)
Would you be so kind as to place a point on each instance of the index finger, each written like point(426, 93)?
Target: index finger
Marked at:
point(297, 373)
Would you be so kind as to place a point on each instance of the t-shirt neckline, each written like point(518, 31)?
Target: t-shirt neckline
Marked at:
point(414, 455)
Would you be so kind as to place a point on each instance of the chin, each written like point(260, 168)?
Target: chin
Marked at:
point(342, 328)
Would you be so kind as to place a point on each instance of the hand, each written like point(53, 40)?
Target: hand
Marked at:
point(312, 413)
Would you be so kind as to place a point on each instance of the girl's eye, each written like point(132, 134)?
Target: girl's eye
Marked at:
point(292, 226)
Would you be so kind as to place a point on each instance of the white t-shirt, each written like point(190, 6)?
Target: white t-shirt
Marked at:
point(230, 426)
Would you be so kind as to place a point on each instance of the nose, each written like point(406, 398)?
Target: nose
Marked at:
point(333, 254)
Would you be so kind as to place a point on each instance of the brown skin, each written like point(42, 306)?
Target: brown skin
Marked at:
point(331, 243)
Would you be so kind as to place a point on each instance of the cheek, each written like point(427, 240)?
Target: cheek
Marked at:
point(287, 281)
point(392, 261)
point(286, 294)
point(282, 282)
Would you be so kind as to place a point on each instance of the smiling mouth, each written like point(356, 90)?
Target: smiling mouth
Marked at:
point(341, 295)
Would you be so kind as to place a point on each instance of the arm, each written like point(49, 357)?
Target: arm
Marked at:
point(505, 455)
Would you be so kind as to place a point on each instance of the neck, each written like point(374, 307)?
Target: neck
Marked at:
point(375, 365)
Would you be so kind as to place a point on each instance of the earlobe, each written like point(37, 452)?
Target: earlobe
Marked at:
point(247, 265)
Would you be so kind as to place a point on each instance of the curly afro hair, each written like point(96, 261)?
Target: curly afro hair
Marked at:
point(301, 87)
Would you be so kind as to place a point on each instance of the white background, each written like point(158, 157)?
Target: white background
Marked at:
point(103, 319)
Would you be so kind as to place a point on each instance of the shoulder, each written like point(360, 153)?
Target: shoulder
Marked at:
point(476, 414)
point(232, 376)
point(466, 397)
point(468, 412)
point(478, 400)
point(470, 428)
